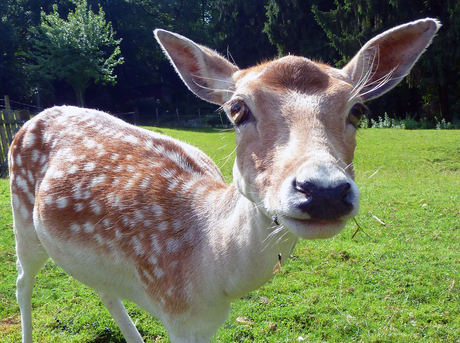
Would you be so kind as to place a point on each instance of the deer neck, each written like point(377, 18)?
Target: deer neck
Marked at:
point(243, 245)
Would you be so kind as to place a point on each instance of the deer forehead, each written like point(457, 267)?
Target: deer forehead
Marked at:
point(295, 85)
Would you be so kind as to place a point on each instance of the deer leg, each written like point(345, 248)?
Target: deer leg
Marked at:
point(118, 312)
point(31, 258)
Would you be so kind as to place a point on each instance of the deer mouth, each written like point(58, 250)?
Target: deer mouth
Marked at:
point(311, 228)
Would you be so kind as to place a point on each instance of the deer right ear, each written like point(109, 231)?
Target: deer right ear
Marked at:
point(384, 61)
point(205, 72)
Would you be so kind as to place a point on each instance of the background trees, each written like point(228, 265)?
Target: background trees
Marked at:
point(76, 49)
point(247, 30)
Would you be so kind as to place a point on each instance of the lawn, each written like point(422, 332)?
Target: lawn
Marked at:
point(396, 280)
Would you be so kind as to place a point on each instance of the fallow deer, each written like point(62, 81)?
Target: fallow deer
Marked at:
point(140, 216)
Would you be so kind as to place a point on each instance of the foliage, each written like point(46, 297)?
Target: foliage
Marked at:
point(408, 123)
point(246, 31)
point(350, 23)
point(238, 28)
point(292, 28)
point(395, 281)
point(75, 49)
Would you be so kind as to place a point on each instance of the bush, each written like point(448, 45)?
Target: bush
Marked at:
point(408, 124)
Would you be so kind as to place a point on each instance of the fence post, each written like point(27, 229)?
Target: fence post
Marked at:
point(7, 102)
point(177, 113)
point(3, 139)
point(158, 118)
point(136, 116)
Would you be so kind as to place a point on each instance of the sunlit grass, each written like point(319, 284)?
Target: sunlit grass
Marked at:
point(397, 280)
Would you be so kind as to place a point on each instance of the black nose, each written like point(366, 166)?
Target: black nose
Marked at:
point(324, 203)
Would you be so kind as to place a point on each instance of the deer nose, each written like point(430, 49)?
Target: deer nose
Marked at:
point(324, 203)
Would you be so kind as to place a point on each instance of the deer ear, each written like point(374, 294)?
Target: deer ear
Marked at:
point(205, 72)
point(384, 61)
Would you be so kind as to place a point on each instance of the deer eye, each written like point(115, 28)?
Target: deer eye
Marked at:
point(239, 111)
point(356, 113)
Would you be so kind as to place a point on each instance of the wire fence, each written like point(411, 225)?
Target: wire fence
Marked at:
point(171, 116)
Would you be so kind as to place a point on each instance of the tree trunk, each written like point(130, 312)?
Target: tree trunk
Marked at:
point(80, 97)
point(443, 94)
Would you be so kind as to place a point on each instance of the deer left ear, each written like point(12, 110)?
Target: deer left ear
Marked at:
point(205, 72)
point(384, 61)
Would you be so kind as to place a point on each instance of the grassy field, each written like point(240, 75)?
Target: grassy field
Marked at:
point(397, 280)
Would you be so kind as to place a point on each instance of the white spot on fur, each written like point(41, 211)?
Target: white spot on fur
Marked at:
point(99, 239)
point(163, 226)
point(97, 209)
point(138, 248)
point(58, 174)
point(73, 169)
point(138, 215)
point(79, 207)
point(118, 235)
point(30, 176)
point(22, 184)
point(145, 183)
point(130, 184)
point(35, 155)
point(29, 140)
point(159, 149)
point(158, 272)
point(87, 195)
point(19, 160)
point(157, 210)
point(90, 166)
point(177, 225)
point(49, 199)
point(173, 245)
point(89, 143)
point(155, 244)
point(77, 191)
point(97, 180)
point(24, 212)
point(62, 202)
point(172, 184)
point(88, 227)
point(179, 160)
point(75, 227)
point(131, 139)
point(70, 158)
point(44, 168)
point(153, 260)
point(167, 173)
point(43, 159)
point(148, 145)
point(147, 275)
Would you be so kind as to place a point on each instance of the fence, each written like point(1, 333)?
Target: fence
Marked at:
point(10, 122)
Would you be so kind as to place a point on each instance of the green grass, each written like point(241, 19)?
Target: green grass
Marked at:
point(397, 280)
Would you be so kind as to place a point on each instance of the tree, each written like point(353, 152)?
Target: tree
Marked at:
point(238, 29)
point(291, 27)
point(431, 89)
point(75, 50)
